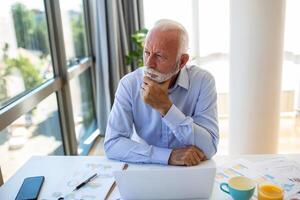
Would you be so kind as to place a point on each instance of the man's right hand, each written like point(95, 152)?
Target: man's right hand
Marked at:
point(188, 156)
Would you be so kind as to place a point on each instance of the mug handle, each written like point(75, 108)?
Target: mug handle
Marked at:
point(223, 186)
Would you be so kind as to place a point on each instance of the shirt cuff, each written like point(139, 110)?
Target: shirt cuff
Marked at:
point(174, 117)
point(160, 155)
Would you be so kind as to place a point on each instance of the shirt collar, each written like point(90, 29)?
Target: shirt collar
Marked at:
point(182, 79)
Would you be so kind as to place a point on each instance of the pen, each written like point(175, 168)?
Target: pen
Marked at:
point(85, 182)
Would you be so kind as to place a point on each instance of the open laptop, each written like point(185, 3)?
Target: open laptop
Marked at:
point(166, 182)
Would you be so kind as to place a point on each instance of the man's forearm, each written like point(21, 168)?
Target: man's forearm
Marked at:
point(127, 150)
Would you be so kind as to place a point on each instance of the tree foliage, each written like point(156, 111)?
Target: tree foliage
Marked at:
point(30, 74)
point(31, 28)
point(78, 33)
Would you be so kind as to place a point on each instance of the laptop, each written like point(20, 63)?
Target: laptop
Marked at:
point(146, 182)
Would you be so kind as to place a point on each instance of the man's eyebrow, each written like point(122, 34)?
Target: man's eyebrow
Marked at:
point(157, 52)
point(161, 54)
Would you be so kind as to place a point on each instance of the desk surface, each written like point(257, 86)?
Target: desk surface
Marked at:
point(49, 165)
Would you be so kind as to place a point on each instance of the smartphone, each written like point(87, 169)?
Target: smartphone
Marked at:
point(30, 188)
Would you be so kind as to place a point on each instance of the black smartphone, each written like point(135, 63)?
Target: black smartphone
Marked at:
point(30, 188)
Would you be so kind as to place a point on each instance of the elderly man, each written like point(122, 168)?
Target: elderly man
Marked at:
point(171, 106)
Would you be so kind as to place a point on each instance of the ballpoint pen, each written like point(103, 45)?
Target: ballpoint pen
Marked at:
point(85, 182)
point(81, 185)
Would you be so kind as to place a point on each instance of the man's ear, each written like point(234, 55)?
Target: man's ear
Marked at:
point(184, 59)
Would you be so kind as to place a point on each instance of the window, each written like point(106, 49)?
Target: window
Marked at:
point(37, 132)
point(25, 60)
point(81, 87)
point(46, 106)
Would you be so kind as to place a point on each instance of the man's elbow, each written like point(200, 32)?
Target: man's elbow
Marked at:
point(108, 150)
point(213, 147)
point(110, 155)
point(210, 153)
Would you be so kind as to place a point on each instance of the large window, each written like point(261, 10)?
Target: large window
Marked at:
point(46, 84)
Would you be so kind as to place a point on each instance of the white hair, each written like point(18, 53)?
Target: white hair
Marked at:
point(167, 25)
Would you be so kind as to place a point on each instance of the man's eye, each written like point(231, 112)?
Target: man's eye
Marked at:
point(147, 53)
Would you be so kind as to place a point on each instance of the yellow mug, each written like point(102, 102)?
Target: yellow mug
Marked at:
point(268, 191)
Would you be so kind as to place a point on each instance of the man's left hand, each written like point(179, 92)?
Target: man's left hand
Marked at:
point(156, 95)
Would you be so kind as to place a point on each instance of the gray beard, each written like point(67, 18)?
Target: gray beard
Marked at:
point(160, 77)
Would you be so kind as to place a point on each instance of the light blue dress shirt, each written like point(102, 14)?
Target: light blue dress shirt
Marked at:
point(192, 119)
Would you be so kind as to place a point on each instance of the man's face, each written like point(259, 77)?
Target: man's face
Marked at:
point(161, 51)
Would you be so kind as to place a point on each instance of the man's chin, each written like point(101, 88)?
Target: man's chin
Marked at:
point(155, 78)
point(160, 81)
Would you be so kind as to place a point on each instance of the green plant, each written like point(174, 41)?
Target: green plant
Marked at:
point(135, 57)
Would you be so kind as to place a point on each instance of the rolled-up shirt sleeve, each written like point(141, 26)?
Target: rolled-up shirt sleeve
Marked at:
point(118, 144)
point(200, 129)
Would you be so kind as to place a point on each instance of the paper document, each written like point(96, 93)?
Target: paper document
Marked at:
point(94, 190)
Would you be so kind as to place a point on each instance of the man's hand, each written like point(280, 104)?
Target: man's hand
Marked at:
point(188, 156)
point(156, 95)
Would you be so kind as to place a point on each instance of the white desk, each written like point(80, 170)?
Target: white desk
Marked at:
point(49, 165)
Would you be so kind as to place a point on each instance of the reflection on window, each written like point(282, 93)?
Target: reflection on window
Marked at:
point(83, 108)
point(35, 133)
point(74, 30)
point(25, 60)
